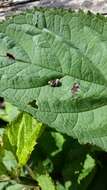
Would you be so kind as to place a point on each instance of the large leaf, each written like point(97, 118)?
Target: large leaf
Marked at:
point(41, 45)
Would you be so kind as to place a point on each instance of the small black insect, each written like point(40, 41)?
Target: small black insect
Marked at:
point(55, 83)
point(10, 56)
point(75, 88)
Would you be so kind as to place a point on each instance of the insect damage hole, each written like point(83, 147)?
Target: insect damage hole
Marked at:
point(10, 56)
point(2, 103)
point(75, 88)
point(33, 104)
point(55, 83)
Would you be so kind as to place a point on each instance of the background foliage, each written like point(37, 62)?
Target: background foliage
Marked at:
point(32, 156)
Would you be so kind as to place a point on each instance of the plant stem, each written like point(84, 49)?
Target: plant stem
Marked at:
point(31, 172)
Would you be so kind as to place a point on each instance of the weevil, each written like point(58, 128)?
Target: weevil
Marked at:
point(55, 83)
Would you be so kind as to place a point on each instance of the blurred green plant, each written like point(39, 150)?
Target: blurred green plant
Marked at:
point(34, 157)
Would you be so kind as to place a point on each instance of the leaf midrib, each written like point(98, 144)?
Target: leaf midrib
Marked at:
point(56, 70)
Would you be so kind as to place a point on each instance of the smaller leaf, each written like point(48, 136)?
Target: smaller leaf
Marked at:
point(89, 165)
point(3, 185)
point(3, 171)
point(61, 187)
point(23, 134)
point(45, 182)
point(17, 187)
point(9, 160)
point(59, 140)
point(8, 164)
point(13, 185)
point(9, 113)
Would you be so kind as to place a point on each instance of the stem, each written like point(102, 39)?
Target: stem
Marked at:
point(31, 172)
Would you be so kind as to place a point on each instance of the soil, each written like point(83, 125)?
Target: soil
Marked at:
point(8, 7)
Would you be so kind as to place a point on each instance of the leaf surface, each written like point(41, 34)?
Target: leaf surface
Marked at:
point(42, 45)
point(23, 134)
point(45, 182)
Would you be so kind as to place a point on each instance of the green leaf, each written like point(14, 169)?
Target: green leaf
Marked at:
point(9, 160)
point(59, 187)
point(8, 164)
point(59, 139)
point(3, 185)
point(17, 187)
point(41, 45)
point(12, 185)
point(23, 134)
point(9, 113)
point(3, 170)
point(45, 182)
point(89, 164)
point(78, 166)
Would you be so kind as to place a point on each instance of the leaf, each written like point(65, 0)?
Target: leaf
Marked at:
point(17, 187)
point(9, 113)
point(51, 143)
point(9, 160)
point(89, 164)
point(59, 139)
point(45, 182)
point(12, 185)
point(60, 187)
point(8, 165)
point(3, 185)
point(78, 166)
point(23, 134)
point(58, 44)
point(100, 180)
point(3, 170)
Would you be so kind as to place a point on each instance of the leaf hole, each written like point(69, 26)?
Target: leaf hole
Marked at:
point(10, 56)
point(75, 88)
point(33, 104)
point(55, 83)
point(2, 103)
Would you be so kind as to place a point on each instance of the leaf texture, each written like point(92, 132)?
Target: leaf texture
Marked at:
point(23, 134)
point(43, 45)
point(45, 182)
